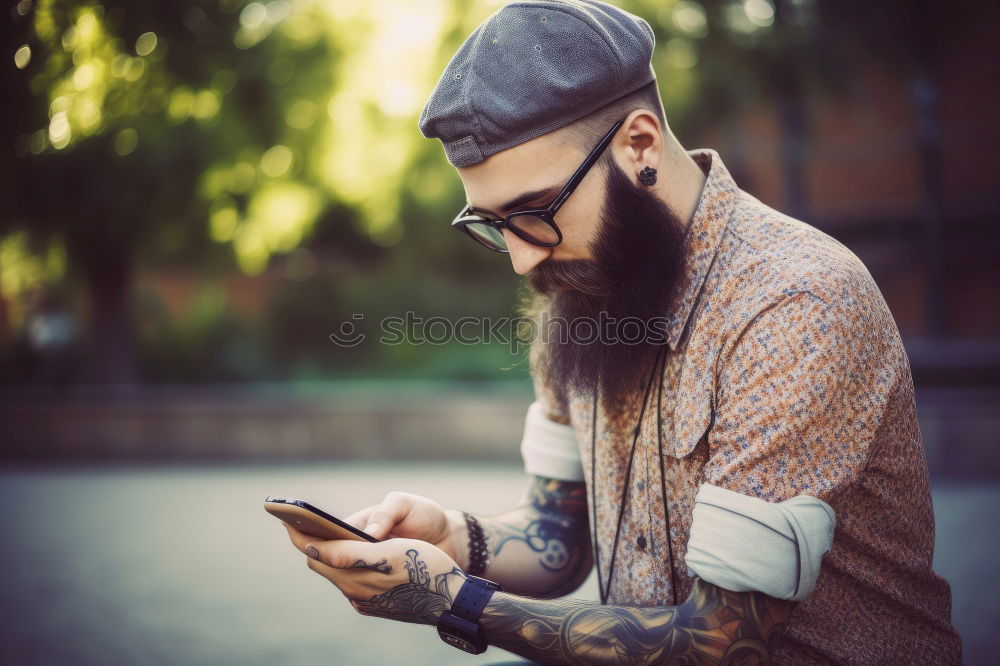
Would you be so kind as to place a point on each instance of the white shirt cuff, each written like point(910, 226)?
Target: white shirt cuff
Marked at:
point(549, 449)
point(742, 543)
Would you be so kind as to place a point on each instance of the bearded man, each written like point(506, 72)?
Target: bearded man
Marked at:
point(745, 408)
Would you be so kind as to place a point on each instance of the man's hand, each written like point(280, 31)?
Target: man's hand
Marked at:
point(399, 579)
point(414, 517)
point(540, 548)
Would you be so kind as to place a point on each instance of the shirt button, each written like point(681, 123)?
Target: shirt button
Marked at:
point(641, 542)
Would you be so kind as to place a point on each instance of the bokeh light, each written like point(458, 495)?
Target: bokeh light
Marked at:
point(145, 44)
point(689, 17)
point(126, 141)
point(22, 56)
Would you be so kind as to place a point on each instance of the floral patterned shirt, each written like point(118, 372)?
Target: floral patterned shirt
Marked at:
point(786, 376)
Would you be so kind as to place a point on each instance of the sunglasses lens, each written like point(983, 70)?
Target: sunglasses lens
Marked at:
point(535, 228)
point(487, 235)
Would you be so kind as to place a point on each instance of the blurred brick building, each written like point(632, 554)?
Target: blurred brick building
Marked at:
point(900, 165)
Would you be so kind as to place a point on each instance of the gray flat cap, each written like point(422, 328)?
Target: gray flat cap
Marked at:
point(531, 68)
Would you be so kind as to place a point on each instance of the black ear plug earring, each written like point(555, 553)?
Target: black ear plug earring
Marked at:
point(647, 176)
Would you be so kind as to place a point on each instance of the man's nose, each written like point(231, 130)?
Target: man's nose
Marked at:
point(523, 255)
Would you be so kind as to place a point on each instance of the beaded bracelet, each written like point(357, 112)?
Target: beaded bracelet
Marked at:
point(478, 551)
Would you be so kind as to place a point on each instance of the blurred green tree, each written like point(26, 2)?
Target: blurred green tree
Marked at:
point(155, 118)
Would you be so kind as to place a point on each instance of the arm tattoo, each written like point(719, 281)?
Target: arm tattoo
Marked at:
point(559, 497)
point(382, 566)
point(415, 601)
point(546, 537)
point(552, 523)
point(714, 626)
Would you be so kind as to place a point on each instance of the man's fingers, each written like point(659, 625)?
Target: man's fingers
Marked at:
point(335, 553)
point(350, 583)
point(383, 518)
point(345, 554)
point(299, 539)
point(323, 570)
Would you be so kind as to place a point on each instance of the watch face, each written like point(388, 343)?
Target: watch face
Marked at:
point(460, 643)
point(452, 632)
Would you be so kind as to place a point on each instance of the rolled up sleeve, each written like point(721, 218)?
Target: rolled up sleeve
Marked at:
point(549, 448)
point(743, 543)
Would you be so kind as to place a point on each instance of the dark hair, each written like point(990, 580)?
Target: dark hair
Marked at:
point(587, 131)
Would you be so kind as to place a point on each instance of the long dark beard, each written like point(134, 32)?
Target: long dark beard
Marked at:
point(626, 290)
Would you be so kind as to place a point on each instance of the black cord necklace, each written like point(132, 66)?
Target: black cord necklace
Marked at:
point(663, 486)
point(605, 588)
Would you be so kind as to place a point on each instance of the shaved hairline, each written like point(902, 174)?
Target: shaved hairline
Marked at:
point(587, 131)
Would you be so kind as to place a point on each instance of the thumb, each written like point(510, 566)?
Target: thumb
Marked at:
point(360, 518)
point(394, 508)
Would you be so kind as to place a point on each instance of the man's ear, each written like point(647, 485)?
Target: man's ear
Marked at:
point(640, 142)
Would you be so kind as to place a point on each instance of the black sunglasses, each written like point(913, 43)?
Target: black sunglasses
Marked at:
point(534, 225)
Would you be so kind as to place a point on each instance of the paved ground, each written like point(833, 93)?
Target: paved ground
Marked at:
point(180, 564)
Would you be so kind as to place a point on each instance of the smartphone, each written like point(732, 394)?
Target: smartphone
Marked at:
point(313, 521)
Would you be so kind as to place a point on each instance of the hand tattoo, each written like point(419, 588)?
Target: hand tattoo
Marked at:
point(382, 566)
point(414, 601)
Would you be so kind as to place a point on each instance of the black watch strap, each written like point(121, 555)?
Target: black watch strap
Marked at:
point(473, 597)
point(459, 627)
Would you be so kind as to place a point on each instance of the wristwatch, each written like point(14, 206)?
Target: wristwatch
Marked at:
point(459, 627)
